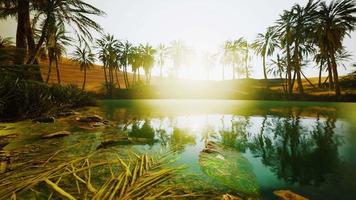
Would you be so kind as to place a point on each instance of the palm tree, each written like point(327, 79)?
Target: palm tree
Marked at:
point(264, 46)
point(162, 53)
point(277, 68)
point(74, 13)
point(126, 53)
point(177, 52)
point(56, 42)
point(85, 58)
point(209, 63)
point(21, 10)
point(284, 33)
point(336, 21)
point(243, 48)
point(148, 58)
point(303, 21)
point(226, 58)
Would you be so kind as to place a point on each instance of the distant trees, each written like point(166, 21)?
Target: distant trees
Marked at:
point(236, 55)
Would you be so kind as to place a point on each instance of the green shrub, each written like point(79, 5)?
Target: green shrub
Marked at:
point(21, 98)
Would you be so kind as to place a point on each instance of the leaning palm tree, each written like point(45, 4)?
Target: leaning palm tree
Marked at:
point(264, 46)
point(74, 13)
point(85, 58)
point(162, 53)
point(336, 20)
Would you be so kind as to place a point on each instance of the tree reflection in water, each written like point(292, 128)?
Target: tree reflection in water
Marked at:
point(294, 154)
point(297, 150)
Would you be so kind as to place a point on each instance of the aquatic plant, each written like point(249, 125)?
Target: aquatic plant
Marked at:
point(117, 177)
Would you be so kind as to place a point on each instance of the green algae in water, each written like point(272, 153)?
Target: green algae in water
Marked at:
point(229, 168)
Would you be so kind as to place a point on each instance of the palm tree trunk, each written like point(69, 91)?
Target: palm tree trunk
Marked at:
point(265, 70)
point(298, 67)
point(293, 80)
point(335, 74)
point(320, 71)
point(23, 13)
point(223, 72)
point(105, 76)
point(85, 78)
point(161, 69)
point(246, 65)
point(331, 81)
point(117, 79)
point(233, 71)
point(33, 55)
point(289, 71)
point(134, 77)
point(49, 70)
point(58, 71)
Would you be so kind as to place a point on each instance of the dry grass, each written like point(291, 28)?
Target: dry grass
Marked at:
point(134, 177)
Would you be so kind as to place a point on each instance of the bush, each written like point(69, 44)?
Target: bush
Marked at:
point(21, 99)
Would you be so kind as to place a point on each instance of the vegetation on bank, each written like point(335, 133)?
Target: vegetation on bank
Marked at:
point(22, 98)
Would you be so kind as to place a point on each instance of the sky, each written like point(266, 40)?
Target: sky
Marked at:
point(201, 24)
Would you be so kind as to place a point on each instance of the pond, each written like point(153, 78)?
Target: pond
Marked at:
point(263, 146)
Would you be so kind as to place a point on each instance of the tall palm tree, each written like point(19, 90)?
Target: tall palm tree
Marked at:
point(336, 20)
point(264, 46)
point(226, 58)
point(177, 53)
point(277, 68)
point(162, 53)
point(148, 56)
point(209, 63)
point(243, 48)
point(126, 53)
point(74, 13)
point(303, 20)
point(56, 46)
point(21, 10)
point(136, 61)
point(284, 33)
point(85, 58)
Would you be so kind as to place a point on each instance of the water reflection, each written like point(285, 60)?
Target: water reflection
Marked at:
point(296, 149)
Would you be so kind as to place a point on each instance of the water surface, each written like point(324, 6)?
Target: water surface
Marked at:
point(306, 147)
